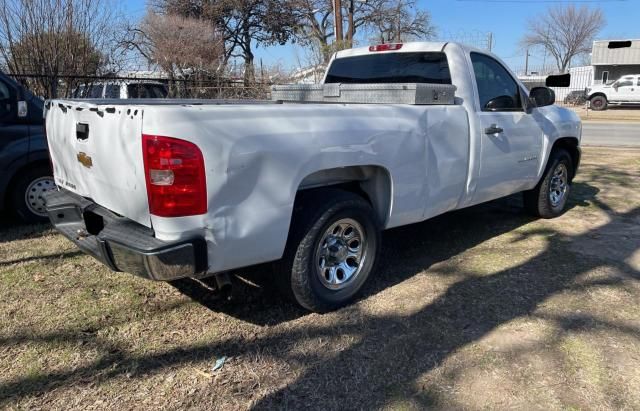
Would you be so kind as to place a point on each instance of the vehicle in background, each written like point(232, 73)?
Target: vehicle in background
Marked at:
point(125, 89)
point(624, 91)
point(576, 98)
point(167, 189)
point(25, 169)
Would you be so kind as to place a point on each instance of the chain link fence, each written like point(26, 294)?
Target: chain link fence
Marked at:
point(47, 86)
point(229, 88)
point(572, 96)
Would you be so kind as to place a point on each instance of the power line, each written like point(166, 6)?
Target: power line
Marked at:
point(544, 1)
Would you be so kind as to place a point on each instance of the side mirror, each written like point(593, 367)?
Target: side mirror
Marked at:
point(615, 85)
point(22, 109)
point(542, 96)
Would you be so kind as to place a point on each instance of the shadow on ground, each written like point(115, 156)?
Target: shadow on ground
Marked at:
point(443, 236)
point(13, 229)
point(390, 351)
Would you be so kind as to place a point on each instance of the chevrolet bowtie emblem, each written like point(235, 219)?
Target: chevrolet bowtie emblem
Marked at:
point(84, 159)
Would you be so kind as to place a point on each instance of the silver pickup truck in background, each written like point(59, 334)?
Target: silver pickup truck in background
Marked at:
point(192, 188)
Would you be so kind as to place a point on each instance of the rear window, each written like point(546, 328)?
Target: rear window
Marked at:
point(147, 91)
point(429, 67)
point(94, 91)
point(112, 91)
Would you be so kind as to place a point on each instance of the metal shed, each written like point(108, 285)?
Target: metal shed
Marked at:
point(611, 62)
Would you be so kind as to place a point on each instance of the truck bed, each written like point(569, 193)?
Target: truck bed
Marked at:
point(256, 157)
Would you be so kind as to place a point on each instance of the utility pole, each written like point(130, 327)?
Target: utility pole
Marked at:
point(490, 41)
point(337, 13)
point(526, 63)
point(351, 28)
point(397, 35)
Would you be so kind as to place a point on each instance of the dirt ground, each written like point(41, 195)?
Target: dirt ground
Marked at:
point(481, 308)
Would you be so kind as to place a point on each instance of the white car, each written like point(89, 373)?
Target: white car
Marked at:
point(121, 89)
point(195, 188)
point(624, 91)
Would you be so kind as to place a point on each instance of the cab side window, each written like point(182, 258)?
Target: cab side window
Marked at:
point(497, 90)
point(626, 82)
point(6, 102)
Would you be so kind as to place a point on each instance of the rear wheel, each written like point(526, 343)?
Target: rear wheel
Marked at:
point(331, 251)
point(599, 103)
point(549, 198)
point(26, 199)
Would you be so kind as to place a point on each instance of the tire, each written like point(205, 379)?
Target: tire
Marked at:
point(29, 186)
point(548, 199)
point(320, 269)
point(599, 103)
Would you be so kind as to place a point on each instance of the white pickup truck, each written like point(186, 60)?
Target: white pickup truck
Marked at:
point(172, 189)
point(625, 90)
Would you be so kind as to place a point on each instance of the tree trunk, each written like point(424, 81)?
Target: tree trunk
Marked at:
point(351, 28)
point(249, 69)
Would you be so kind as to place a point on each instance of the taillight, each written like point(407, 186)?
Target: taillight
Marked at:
point(386, 47)
point(175, 175)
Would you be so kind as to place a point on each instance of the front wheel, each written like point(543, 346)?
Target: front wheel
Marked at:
point(549, 198)
point(331, 251)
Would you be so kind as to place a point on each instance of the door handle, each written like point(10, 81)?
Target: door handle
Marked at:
point(493, 129)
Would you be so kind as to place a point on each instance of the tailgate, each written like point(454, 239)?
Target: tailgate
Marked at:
point(96, 151)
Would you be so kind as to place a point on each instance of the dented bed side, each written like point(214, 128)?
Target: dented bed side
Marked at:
point(253, 173)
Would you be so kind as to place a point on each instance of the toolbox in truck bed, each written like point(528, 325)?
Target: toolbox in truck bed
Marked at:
point(391, 93)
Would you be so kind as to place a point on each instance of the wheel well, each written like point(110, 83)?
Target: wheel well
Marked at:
point(373, 183)
point(598, 95)
point(17, 173)
point(571, 145)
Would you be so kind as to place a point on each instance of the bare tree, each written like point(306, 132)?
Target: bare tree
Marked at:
point(400, 20)
point(259, 22)
point(56, 40)
point(181, 46)
point(244, 24)
point(388, 19)
point(565, 32)
point(316, 23)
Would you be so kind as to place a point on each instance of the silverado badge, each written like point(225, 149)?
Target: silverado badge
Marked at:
point(84, 159)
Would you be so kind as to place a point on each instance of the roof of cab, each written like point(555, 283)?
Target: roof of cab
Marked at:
point(406, 47)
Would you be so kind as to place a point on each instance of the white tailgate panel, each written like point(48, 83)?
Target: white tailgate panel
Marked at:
point(115, 180)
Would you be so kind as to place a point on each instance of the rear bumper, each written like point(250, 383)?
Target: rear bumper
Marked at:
point(122, 244)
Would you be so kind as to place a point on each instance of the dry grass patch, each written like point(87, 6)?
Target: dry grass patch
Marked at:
point(482, 308)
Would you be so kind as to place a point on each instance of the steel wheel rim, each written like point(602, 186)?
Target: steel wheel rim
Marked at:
point(340, 254)
point(558, 185)
point(33, 195)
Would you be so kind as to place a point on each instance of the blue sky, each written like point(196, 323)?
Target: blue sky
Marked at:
point(506, 19)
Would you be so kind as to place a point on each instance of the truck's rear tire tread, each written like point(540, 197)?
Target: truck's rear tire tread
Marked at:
point(314, 210)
